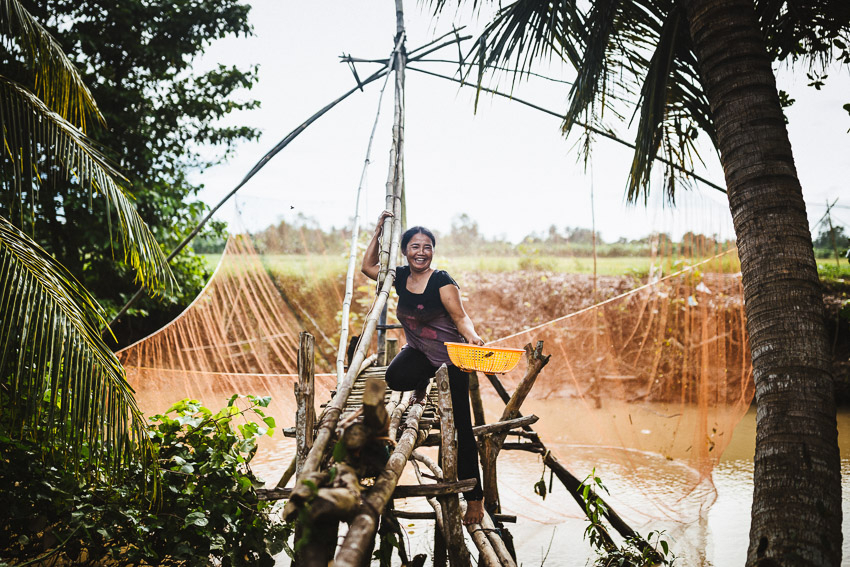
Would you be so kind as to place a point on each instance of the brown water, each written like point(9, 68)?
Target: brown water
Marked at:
point(707, 528)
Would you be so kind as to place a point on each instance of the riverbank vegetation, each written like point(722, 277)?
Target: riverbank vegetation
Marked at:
point(198, 507)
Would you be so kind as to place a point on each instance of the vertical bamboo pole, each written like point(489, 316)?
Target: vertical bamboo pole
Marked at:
point(458, 554)
point(355, 232)
point(395, 176)
point(305, 396)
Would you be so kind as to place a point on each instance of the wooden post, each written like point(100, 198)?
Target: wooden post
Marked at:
point(491, 444)
point(458, 554)
point(374, 411)
point(305, 397)
point(475, 398)
point(392, 349)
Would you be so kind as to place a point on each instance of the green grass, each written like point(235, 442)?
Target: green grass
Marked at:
point(321, 267)
point(829, 271)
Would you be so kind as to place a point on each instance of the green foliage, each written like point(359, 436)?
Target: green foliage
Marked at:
point(162, 119)
point(632, 553)
point(208, 513)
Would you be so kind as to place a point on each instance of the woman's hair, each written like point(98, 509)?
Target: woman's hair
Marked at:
point(410, 232)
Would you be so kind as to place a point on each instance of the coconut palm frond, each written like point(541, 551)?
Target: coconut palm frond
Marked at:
point(593, 81)
point(672, 107)
point(60, 372)
point(57, 81)
point(524, 30)
point(38, 142)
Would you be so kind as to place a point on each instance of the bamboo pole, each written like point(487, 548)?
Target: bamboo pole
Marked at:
point(498, 544)
point(486, 553)
point(439, 553)
point(458, 554)
point(479, 538)
point(305, 398)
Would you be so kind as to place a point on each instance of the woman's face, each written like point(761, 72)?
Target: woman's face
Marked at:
point(419, 252)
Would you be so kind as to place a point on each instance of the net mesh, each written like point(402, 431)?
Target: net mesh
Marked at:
point(645, 385)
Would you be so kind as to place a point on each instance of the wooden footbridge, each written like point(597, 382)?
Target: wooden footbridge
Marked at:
point(350, 460)
point(370, 435)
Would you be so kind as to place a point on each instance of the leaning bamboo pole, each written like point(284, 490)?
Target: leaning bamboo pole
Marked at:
point(355, 232)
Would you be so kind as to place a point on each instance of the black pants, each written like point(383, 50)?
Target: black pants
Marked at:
point(411, 370)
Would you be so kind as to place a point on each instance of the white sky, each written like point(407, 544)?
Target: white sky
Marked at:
point(508, 167)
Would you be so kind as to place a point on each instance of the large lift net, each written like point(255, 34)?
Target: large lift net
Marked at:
point(645, 385)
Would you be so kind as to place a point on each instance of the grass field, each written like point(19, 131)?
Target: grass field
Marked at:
point(329, 266)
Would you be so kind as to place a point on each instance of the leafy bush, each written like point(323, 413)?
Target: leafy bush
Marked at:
point(654, 551)
point(207, 511)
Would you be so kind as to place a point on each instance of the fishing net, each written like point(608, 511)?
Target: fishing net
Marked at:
point(648, 377)
point(647, 387)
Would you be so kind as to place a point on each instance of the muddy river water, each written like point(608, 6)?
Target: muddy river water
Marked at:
point(706, 528)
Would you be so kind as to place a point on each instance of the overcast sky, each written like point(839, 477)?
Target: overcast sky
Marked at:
point(507, 166)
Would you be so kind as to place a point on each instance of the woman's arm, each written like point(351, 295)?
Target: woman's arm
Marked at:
point(371, 265)
point(450, 296)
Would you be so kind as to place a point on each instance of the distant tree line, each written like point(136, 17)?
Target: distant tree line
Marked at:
point(831, 240)
point(303, 235)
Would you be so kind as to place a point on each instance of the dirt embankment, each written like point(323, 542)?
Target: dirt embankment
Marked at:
point(501, 304)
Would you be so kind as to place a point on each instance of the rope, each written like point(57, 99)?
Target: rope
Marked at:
point(615, 298)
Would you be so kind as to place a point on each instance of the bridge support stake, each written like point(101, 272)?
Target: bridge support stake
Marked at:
point(458, 554)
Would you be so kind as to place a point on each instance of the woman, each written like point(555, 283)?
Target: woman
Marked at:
point(431, 312)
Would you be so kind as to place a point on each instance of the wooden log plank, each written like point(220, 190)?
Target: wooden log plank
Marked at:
point(433, 439)
point(401, 491)
point(364, 525)
point(458, 554)
point(435, 489)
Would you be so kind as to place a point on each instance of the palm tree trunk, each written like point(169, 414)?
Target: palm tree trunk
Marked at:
point(796, 513)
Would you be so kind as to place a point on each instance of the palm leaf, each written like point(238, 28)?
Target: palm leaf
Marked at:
point(56, 80)
point(60, 371)
point(38, 142)
point(619, 49)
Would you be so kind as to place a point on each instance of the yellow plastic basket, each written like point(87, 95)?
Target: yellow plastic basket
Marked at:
point(482, 358)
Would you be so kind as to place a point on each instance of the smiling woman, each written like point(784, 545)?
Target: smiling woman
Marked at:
point(431, 311)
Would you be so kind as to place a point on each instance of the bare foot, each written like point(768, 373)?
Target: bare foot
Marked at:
point(474, 512)
point(417, 397)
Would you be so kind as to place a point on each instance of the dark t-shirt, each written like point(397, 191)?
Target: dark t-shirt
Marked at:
point(427, 324)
